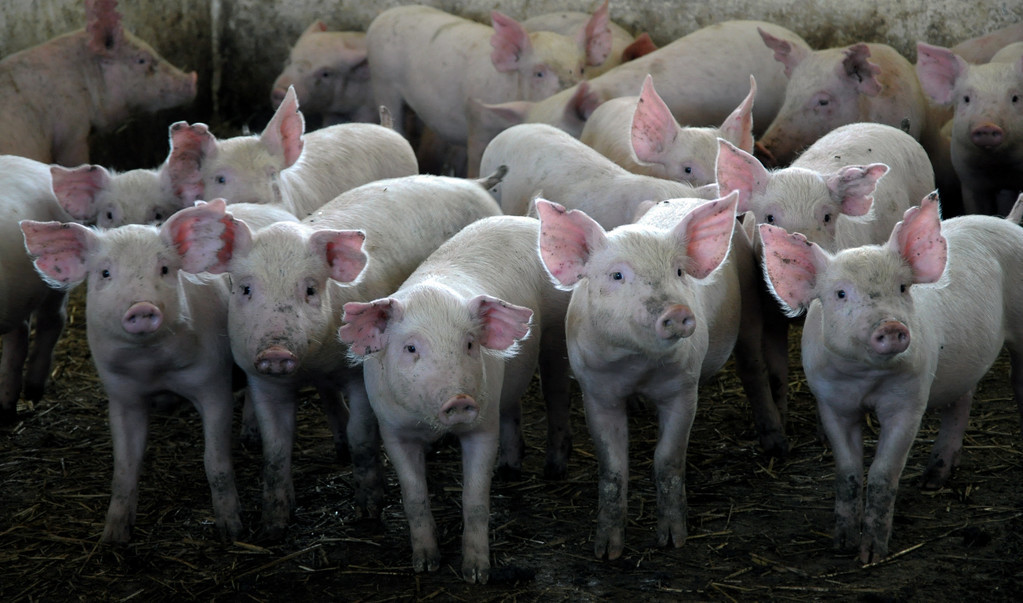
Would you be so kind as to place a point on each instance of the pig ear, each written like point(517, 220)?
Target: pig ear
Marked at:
point(856, 66)
point(938, 69)
point(641, 46)
point(706, 232)
point(917, 238)
point(740, 171)
point(853, 187)
point(283, 134)
point(653, 125)
point(58, 251)
point(567, 240)
point(791, 266)
point(76, 189)
point(365, 328)
point(784, 52)
point(510, 42)
point(738, 127)
point(317, 26)
point(583, 103)
point(502, 323)
point(595, 38)
point(191, 145)
point(103, 26)
point(206, 237)
point(342, 250)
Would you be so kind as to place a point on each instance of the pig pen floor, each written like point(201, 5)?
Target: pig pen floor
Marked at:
point(759, 528)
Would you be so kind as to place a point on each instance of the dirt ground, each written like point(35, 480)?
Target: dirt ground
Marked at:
point(759, 529)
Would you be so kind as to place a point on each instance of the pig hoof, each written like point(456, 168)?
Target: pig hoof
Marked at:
point(609, 543)
point(476, 575)
point(426, 560)
point(507, 474)
point(935, 476)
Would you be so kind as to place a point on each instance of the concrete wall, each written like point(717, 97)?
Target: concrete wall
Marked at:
point(238, 46)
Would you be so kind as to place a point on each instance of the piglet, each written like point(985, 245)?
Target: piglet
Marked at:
point(593, 28)
point(151, 331)
point(94, 195)
point(657, 307)
point(55, 93)
point(452, 351)
point(896, 329)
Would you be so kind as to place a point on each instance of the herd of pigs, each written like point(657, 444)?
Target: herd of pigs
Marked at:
point(604, 242)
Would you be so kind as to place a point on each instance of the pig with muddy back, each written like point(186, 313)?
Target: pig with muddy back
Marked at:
point(896, 329)
point(452, 352)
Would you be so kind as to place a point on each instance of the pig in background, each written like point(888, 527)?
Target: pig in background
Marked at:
point(641, 135)
point(453, 351)
point(896, 329)
point(48, 97)
point(982, 48)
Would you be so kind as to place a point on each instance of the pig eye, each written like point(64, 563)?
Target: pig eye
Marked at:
point(310, 291)
point(220, 180)
point(158, 216)
point(110, 216)
point(246, 290)
point(105, 273)
point(411, 349)
point(902, 288)
point(688, 170)
point(840, 294)
point(770, 218)
point(827, 218)
point(1015, 98)
point(141, 61)
point(617, 276)
point(679, 272)
point(539, 74)
point(823, 102)
point(469, 345)
point(164, 270)
point(966, 99)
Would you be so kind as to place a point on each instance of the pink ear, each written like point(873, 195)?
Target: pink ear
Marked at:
point(791, 264)
point(342, 250)
point(641, 46)
point(503, 323)
point(59, 250)
point(740, 171)
point(510, 42)
point(567, 239)
point(738, 127)
point(706, 232)
point(317, 26)
point(76, 188)
point(206, 237)
point(653, 125)
point(595, 38)
point(191, 145)
point(784, 52)
point(103, 25)
point(856, 65)
point(917, 238)
point(583, 103)
point(853, 187)
point(283, 134)
point(938, 69)
point(365, 328)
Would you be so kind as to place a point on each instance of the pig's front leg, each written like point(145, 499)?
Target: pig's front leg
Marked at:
point(274, 406)
point(129, 427)
point(555, 382)
point(409, 460)
point(363, 436)
point(215, 407)
point(479, 452)
point(949, 444)
point(608, 424)
point(676, 420)
point(845, 432)
point(13, 351)
point(336, 412)
point(50, 318)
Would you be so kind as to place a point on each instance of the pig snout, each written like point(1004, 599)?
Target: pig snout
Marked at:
point(891, 337)
point(987, 135)
point(277, 96)
point(276, 360)
point(676, 322)
point(142, 317)
point(459, 409)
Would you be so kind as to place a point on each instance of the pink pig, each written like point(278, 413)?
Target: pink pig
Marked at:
point(896, 329)
point(55, 93)
point(92, 194)
point(452, 351)
point(641, 135)
point(580, 25)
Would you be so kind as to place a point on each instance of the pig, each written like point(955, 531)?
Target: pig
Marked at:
point(657, 307)
point(151, 330)
point(982, 48)
point(987, 127)
point(27, 195)
point(879, 337)
point(289, 283)
point(283, 165)
point(542, 159)
point(838, 86)
point(94, 195)
point(574, 25)
point(55, 93)
point(435, 62)
point(452, 351)
point(641, 135)
point(700, 77)
point(330, 74)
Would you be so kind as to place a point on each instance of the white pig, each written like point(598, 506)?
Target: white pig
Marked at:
point(542, 159)
point(452, 351)
point(151, 331)
point(288, 285)
point(656, 308)
point(284, 165)
point(580, 25)
point(982, 48)
point(641, 135)
point(94, 195)
point(895, 329)
point(987, 128)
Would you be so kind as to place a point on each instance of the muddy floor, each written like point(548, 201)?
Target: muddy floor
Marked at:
point(759, 528)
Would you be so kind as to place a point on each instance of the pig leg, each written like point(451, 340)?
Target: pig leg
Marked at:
point(776, 354)
point(12, 362)
point(129, 428)
point(845, 432)
point(49, 324)
point(676, 420)
point(479, 451)
point(609, 428)
point(555, 383)
point(249, 435)
point(337, 418)
point(509, 467)
point(364, 443)
point(409, 460)
point(215, 408)
point(949, 445)
point(274, 406)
